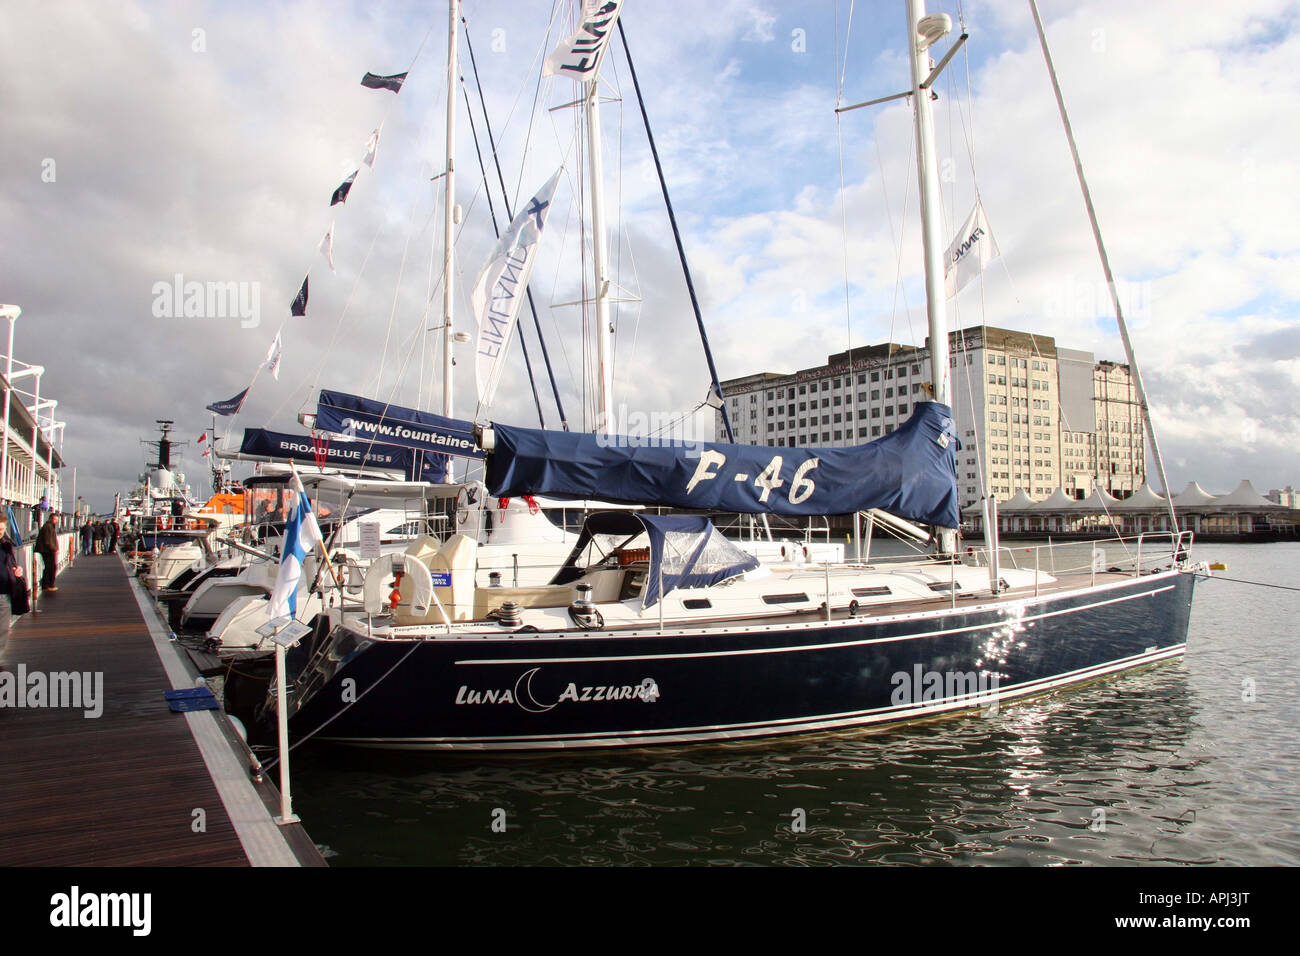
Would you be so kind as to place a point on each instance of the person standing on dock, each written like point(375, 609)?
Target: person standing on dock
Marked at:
point(47, 546)
point(114, 529)
point(12, 582)
point(85, 537)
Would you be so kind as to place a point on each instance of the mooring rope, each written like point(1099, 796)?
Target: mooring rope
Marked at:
point(1260, 584)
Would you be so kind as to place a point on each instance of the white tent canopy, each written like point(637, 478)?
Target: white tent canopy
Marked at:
point(1143, 499)
point(1193, 496)
point(1099, 500)
point(1057, 501)
point(1020, 501)
point(1243, 496)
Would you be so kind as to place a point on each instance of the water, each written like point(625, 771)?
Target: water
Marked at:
point(1164, 766)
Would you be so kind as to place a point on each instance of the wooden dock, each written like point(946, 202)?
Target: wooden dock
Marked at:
point(139, 784)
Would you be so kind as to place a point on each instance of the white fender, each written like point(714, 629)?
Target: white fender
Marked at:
point(416, 587)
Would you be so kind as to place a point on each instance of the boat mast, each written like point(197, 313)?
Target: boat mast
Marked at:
point(922, 32)
point(449, 220)
point(605, 365)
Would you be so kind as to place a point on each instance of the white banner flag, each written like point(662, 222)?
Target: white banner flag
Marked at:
point(501, 287)
point(579, 56)
point(970, 252)
point(327, 247)
point(372, 147)
point(301, 534)
point(272, 363)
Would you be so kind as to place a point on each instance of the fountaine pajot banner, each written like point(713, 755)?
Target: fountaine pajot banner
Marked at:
point(970, 252)
point(579, 56)
point(365, 418)
point(500, 287)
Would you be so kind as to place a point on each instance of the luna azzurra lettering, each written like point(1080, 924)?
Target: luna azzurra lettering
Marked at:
point(522, 695)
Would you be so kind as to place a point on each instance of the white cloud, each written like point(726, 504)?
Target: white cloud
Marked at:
point(760, 26)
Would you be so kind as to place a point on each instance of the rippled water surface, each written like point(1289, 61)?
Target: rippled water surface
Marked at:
point(1166, 766)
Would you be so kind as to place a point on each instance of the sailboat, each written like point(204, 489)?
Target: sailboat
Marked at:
point(656, 629)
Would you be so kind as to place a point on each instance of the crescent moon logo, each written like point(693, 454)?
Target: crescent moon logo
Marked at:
point(524, 694)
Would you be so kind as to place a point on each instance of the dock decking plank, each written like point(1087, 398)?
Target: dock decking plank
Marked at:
point(119, 789)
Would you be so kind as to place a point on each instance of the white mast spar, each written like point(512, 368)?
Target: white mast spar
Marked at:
point(604, 361)
point(923, 31)
point(449, 221)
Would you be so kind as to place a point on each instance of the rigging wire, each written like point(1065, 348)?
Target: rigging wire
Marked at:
point(496, 231)
point(496, 159)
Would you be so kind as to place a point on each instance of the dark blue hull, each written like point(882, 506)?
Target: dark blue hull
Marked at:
point(544, 691)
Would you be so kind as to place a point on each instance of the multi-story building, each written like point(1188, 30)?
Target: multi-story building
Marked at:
point(1030, 416)
point(1287, 497)
point(30, 438)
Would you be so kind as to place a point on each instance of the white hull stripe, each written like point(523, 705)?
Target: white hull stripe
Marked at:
point(743, 652)
point(767, 728)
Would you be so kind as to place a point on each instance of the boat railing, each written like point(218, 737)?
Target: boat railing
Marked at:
point(1137, 555)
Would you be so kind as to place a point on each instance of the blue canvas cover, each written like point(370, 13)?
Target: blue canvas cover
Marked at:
point(686, 551)
point(911, 473)
point(361, 417)
point(412, 464)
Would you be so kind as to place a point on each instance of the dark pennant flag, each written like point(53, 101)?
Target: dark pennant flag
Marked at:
point(300, 300)
point(373, 82)
point(341, 194)
point(230, 406)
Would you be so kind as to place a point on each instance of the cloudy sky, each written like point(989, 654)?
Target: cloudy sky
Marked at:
point(144, 140)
